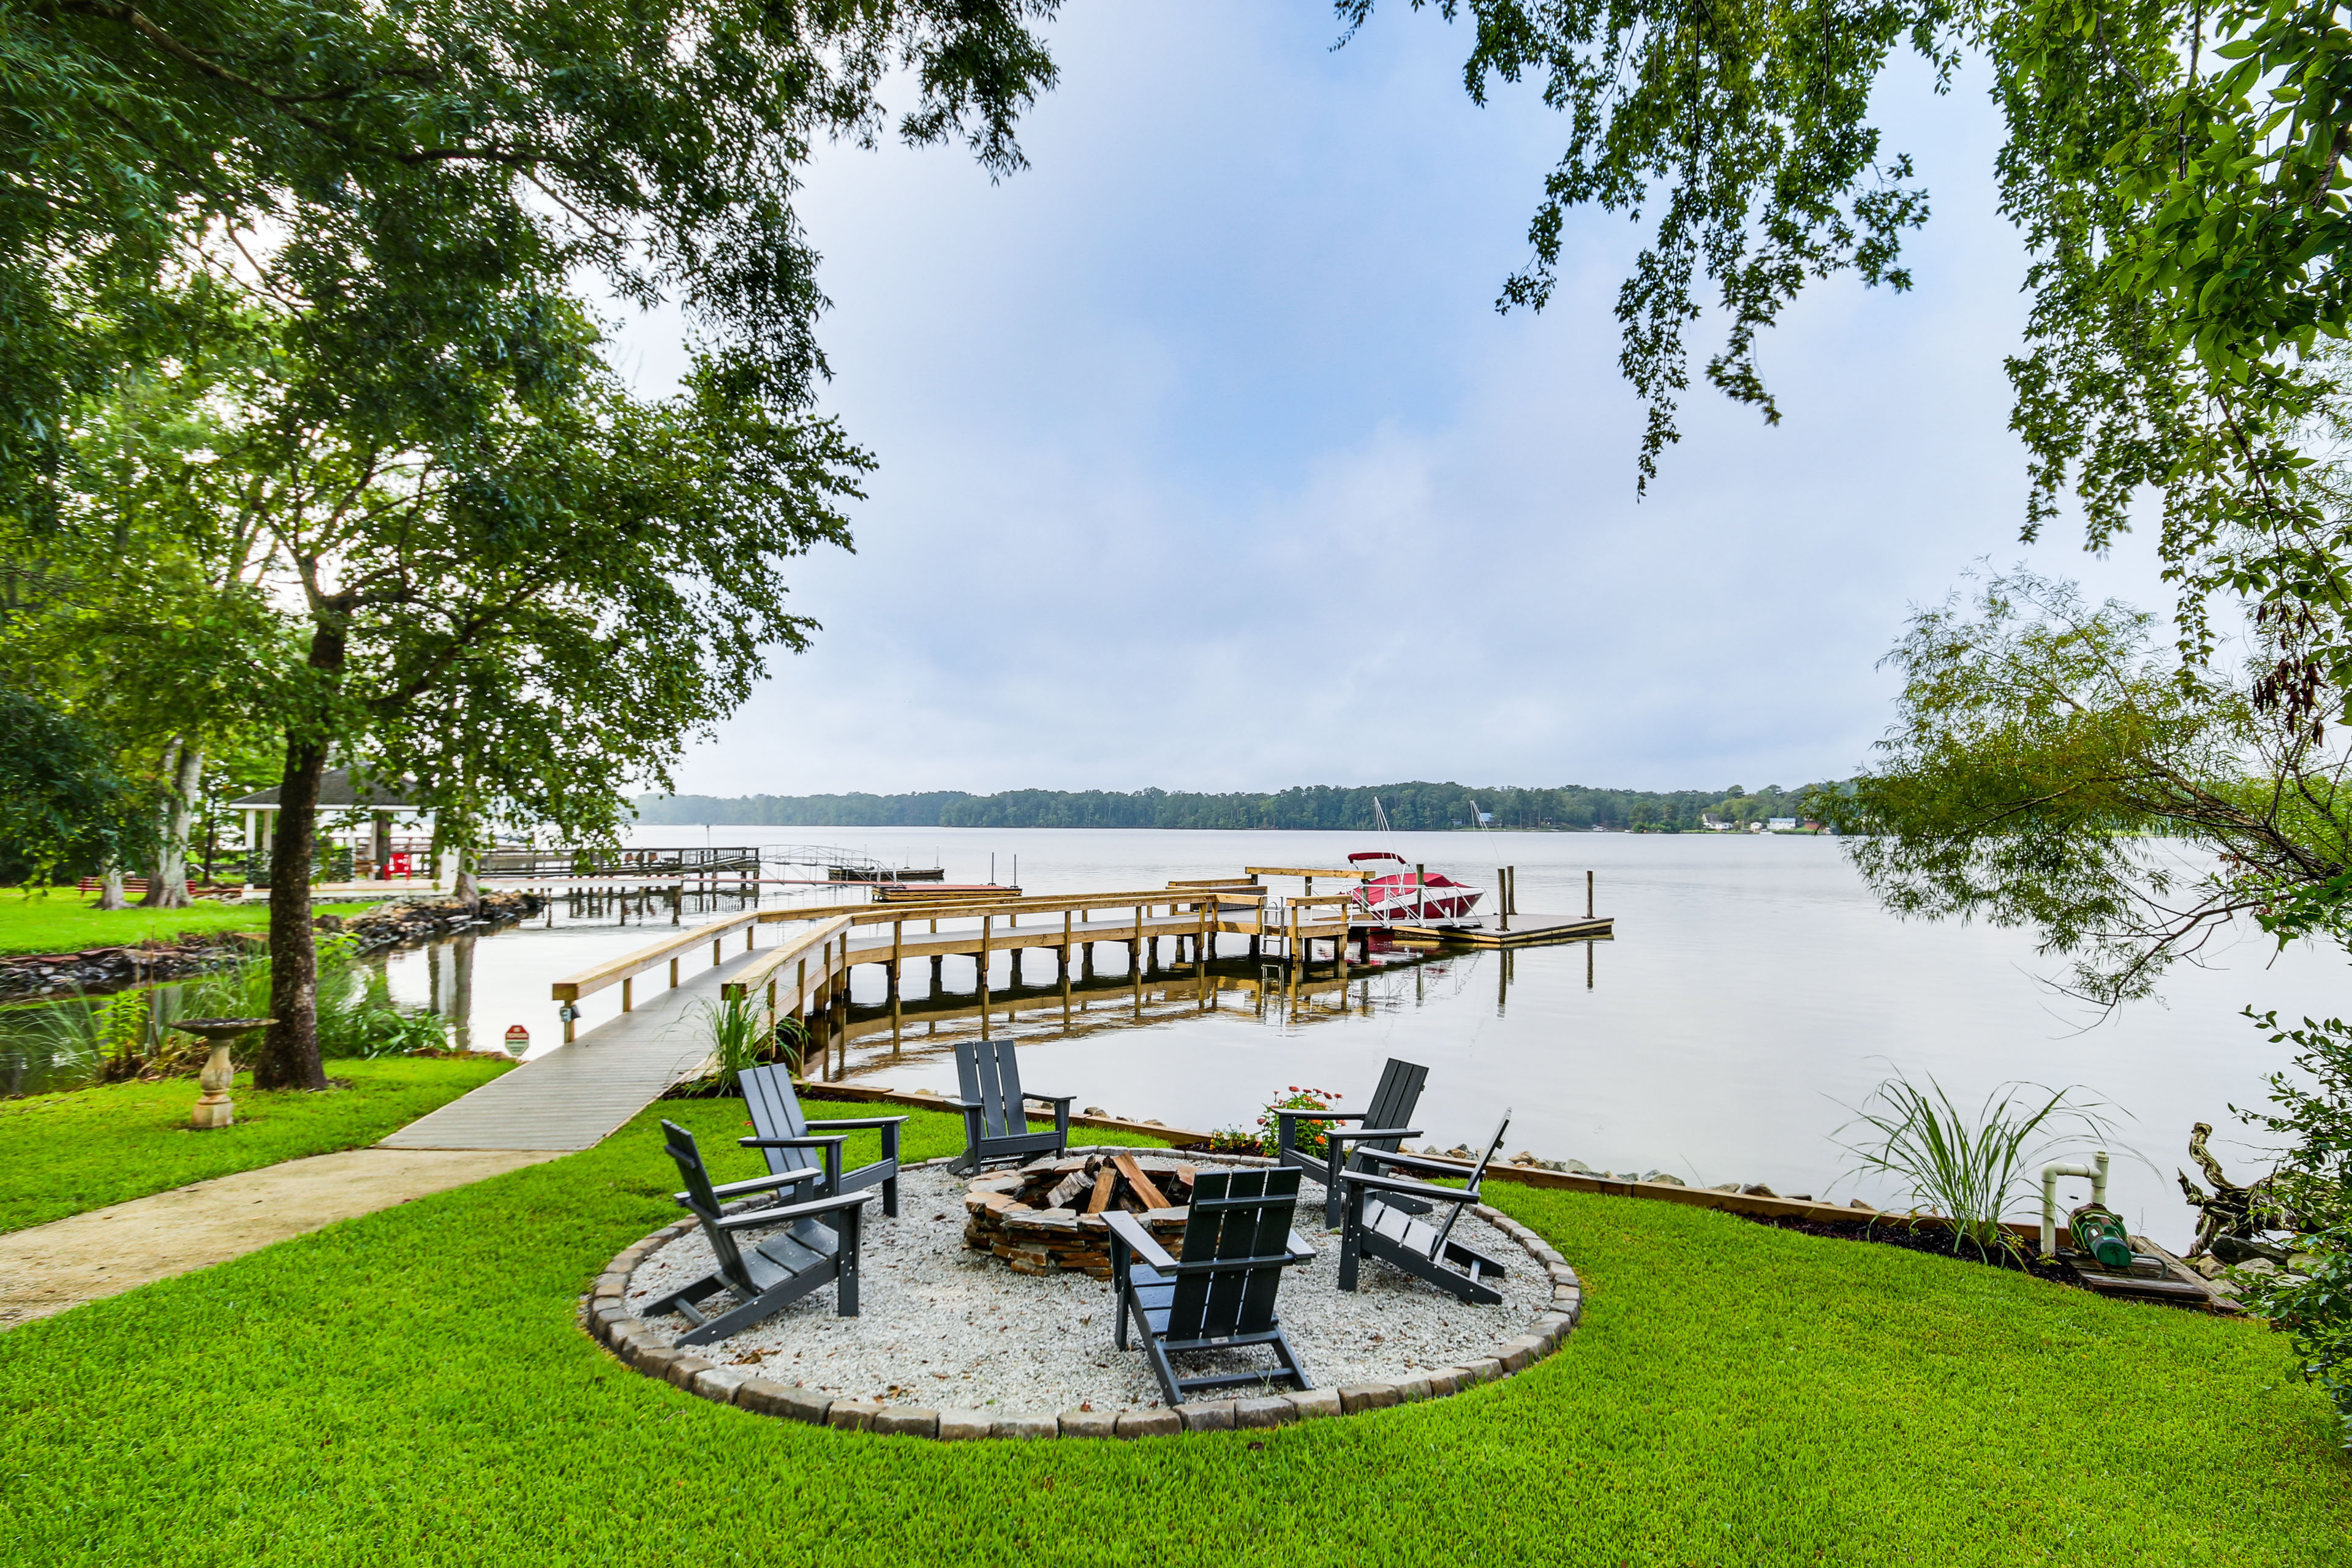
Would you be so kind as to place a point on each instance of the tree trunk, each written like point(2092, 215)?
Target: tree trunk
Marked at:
point(289, 1052)
point(468, 889)
point(110, 888)
point(168, 888)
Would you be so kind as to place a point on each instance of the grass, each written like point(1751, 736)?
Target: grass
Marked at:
point(411, 1387)
point(63, 921)
point(64, 1153)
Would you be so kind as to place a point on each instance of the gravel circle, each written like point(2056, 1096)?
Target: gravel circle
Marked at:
point(942, 1326)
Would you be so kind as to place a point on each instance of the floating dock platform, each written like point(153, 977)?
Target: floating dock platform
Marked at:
point(1515, 931)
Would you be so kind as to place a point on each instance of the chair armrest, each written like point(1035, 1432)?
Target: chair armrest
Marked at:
point(1437, 1167)
point(1403, 1185)
point(1138, 1240)
point(1049, 1099)
point(1363, 1132)
point(834, 1142)
point(736, 1189)
point(861, 1122)
point(783, 1212)
point(756, 1184)
point(1299, 1251)
point(1320, 1115)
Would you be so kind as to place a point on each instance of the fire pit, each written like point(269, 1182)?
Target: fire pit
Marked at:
point(1048, 1216)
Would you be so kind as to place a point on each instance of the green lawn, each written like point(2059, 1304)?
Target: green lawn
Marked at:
point(63, 1153)
point(413, 1387)
point(63, 921)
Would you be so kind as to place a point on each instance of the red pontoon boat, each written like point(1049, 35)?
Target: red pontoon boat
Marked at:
point(1392, 897)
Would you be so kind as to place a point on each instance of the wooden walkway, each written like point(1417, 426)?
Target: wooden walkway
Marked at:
point(579, 1093)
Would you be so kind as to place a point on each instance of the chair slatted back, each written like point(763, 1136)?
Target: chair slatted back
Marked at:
point(1243, 1217)
point(704, 1204)
point(1476, 1176)
point(1392, 1103)
point(775, 1113)
point(989, 1075)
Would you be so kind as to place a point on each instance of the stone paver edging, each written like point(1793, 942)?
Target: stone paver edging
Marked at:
point(604, 1313)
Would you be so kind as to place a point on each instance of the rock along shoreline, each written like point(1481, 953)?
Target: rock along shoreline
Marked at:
point(98, 970)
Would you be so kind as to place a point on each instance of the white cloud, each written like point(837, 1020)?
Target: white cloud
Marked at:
point(1207, 463)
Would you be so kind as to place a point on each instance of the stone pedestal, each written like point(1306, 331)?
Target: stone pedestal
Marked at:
point(215, 1109)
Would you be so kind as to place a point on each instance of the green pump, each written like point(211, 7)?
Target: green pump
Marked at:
point(2099, 1231)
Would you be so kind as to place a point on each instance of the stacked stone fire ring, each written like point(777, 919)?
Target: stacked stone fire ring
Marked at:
point(1049, 1216)
point(1552, 1306)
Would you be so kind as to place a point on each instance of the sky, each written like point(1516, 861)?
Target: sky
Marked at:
point(1207, 463)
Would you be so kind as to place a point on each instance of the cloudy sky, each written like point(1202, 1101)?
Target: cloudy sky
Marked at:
point(1207, 463)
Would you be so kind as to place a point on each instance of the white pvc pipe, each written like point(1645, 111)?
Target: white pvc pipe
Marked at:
point(2096, 1171)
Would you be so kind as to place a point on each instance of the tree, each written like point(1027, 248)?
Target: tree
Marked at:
point(61, 800)
point(2052, 768)
point(416, 179)
point(520, 617)
point(138, 602)
point(2179, 176)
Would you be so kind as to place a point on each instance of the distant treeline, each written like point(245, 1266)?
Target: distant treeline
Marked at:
point(1410, 807)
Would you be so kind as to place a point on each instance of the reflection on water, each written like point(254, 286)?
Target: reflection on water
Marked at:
point(878, 1030)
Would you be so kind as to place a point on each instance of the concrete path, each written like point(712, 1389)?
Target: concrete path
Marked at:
point(576, 1095)
point(570, 1098)
point(82, 1258)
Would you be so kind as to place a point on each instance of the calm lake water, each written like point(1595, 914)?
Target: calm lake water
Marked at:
point(1753, 991)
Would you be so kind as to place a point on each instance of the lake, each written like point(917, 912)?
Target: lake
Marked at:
point(1753, 991)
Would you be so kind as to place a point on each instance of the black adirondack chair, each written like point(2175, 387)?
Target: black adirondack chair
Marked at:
point(1376, 1227)
point(776, 1118)
point(1220, 1294)
point(995, 1125)
point(771, 1275)
point(1384, 1128)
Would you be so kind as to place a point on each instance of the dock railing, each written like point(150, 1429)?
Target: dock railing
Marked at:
point(623, 971)
point(766, 969)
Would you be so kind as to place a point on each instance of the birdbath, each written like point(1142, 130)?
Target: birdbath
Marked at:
point(214, 1108)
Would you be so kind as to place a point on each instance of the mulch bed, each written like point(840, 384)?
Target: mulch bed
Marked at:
point(1896, 1233)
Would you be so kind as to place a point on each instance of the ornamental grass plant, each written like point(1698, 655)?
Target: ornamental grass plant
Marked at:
point(1971, 1168)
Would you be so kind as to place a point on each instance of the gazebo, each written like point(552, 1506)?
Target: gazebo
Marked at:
point(338, 792)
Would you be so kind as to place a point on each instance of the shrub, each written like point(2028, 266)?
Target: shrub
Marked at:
point(2314, 1186)
point(1307, 1135)
point(1238, 1141)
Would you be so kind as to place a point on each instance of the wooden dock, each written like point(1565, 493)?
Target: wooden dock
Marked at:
point(1514, 931)
point(599, 1079)
point(580, 1093)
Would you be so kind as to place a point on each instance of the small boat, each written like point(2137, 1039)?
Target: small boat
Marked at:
point(1392, 896)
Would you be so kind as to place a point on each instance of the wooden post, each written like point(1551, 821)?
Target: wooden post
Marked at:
point(1421, 894)
point(898, 956)
point(985, 922)
point(627, 986)
point(1503, 894)
point(1065, 949)
point(800, 994)
point(1588, 895)
point(716, 960)
point(673, 973)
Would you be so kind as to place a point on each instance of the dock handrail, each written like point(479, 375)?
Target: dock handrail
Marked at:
point(1304, 871)
point(633, 965)
point(758, 970)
